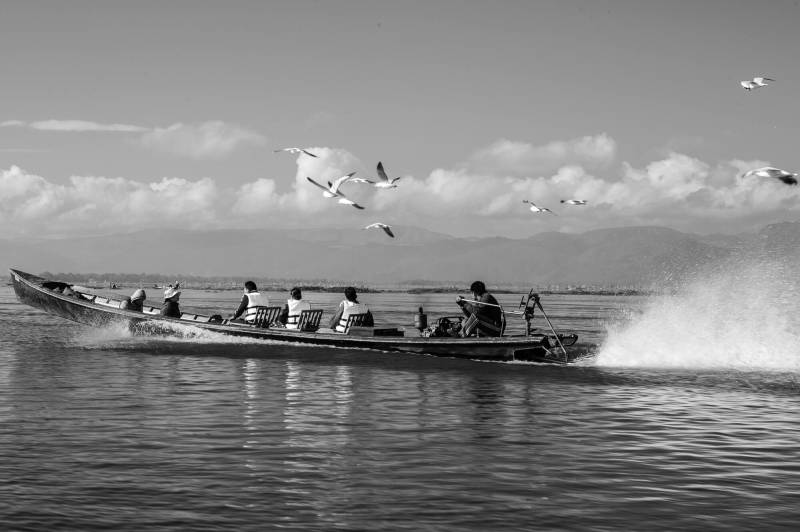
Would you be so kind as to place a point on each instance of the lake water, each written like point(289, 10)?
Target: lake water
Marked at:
point(683, 419)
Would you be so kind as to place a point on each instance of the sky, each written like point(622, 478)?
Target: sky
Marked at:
point(120, 116)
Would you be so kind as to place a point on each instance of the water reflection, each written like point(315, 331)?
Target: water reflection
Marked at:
point(318, 404)
point(316, 418)
point(250, 376)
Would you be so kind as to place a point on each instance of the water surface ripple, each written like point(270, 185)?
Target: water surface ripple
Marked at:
point(99, 430)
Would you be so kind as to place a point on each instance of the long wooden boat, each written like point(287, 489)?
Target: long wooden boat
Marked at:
point(99, 311)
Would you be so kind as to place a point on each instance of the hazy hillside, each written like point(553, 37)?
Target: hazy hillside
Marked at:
point(637, 255)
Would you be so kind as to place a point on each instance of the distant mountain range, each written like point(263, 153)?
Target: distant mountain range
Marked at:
point(621, 256)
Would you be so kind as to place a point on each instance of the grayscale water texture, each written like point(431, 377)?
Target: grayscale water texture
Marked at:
point(99, 430)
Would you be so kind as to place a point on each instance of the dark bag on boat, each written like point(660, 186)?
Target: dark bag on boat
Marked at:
point(446, 327)
point(216, 318)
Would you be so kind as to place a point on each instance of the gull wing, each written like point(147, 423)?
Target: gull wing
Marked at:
point(361, 180)
point(308, 153)
point(336, 184)
point(769, 171)
point(347, 201)
point(386, 228)
point(382, 173)
point(320, 186)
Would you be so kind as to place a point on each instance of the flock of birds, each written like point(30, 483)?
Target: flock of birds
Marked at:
point(383, 181)
point(333, 188)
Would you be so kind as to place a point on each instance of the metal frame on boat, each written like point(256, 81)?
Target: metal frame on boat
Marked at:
point(99, 311)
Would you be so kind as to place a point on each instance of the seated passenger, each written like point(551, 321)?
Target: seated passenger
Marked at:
point(170, 308)
point(250, 302)
point(290, 315)
point(348, 306)
point(135, 302)
point(488, 317)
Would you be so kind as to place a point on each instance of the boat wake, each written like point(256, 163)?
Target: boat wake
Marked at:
point(121, 335)
point(743, 316)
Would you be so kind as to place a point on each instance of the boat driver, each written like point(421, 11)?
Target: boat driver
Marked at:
point(483, 320)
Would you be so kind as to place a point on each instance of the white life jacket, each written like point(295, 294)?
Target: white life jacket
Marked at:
point(349, 308)
point(254, 299)
point(296, 306)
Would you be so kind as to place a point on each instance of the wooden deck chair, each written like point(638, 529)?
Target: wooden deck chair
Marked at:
point(266, 316)
point(354, 319)
point(309, 320)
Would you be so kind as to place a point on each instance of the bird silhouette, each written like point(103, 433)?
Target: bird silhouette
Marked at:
point(790, 178)
point(386, 228)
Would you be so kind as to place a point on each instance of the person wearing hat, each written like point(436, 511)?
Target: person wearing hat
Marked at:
point(135, 302)
point(170, 308)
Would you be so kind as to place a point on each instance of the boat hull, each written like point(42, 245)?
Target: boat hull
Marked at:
point(31, 290)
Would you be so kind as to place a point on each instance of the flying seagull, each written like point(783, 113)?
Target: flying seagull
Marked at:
point(383, 179)
point(574, 201)
point(789, 178)
point(296, 150)
point(755, 83)
point(334, 187)
point(328, 192)
point(534, 208)
point(386, 228)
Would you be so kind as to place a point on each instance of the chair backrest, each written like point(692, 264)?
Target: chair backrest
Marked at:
point(309, 320)
point(469, 325)
point(265, 316)
point(354, 319)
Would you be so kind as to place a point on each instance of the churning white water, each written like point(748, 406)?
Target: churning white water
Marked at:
point(743, 315)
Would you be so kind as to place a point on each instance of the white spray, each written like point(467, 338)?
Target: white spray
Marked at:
point(743, 316)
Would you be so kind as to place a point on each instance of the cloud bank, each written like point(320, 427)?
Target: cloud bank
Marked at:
point(213, 139)
point(676, 191)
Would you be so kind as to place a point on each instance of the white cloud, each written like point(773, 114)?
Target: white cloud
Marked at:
point(213, 139)
point(82, 126)
point(524, 159)
point(676, 191)
point(87, 204)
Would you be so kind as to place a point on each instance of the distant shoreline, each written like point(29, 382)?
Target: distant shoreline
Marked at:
point(339, 288)
point(132, 281)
